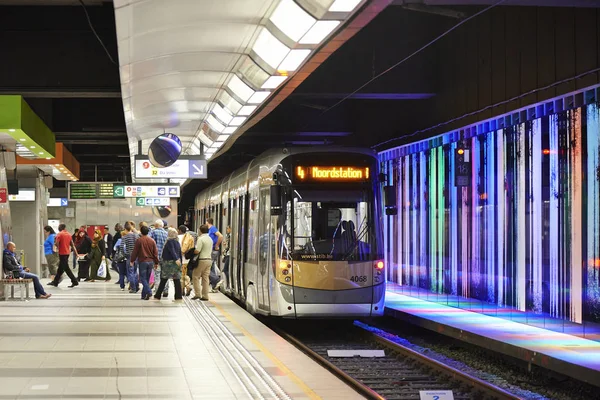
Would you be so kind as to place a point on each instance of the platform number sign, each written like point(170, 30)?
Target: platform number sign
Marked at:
point(436, 395)
point(462, 166)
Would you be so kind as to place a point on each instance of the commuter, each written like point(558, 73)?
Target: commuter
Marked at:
point(74, 252)
point(226, 249)
point(64, 244)
point(120, 259)
point(97, 256)
point(159, 235)
point(204, 248)
point(216, 238)
point(171, 265)
point(116, 237)
point(50, 253)
point(145, 253)
point(127, 244)
point(83, 245)
point(186, 240)
point(11, 264)
point(108, 241)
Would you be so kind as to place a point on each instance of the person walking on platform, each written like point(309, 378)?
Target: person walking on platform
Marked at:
point(50, 252)
point(204, 248)
point(171, 265)
point(97, 256)
point(64, 243)
point(159, 235)
point(127, 244)
point(121, 261)
point(10, 264)
point(145, 253)
point(108, 241)
point(74, 252)
point(217, 239)
point(83, 245)
point(186, 240)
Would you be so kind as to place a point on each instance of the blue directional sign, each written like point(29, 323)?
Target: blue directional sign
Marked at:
point(186, 167)
point(162, 191)
point(64, 202)
point(197, 169)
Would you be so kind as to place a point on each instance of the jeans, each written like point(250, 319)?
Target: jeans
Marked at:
point(132, 275)
point(63, 267)
point(145, 271)
point(122, 268)
point(37, 286)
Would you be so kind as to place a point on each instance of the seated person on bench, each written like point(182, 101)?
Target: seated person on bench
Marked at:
point(11, 264)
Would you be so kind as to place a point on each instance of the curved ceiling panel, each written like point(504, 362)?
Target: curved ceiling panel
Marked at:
point(201, 68)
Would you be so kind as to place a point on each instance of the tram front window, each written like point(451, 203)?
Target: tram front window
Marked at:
point(329, 225)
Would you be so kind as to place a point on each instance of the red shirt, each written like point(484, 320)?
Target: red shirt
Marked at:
point(63, 242)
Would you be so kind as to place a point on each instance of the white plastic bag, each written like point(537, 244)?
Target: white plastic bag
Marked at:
point(102, 269)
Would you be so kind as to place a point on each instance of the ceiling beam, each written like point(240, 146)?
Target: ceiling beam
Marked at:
point(64, 93)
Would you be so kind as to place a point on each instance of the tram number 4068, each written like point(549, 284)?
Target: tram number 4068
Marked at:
point(356, 278)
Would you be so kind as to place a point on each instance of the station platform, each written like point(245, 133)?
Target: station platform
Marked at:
point(563, 353)
point(96, 342)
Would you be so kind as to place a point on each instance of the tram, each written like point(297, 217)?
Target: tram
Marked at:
point(306, 232)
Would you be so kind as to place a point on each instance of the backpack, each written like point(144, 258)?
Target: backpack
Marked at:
point(193, 259)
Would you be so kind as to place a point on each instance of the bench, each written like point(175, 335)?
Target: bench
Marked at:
point(16, 282)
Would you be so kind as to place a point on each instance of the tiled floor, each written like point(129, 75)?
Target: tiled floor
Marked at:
point(96, 342)
point(565, 353)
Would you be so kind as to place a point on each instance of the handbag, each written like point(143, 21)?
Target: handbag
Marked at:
point(102, 269)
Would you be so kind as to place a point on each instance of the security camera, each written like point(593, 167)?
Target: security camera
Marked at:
point(285, 151)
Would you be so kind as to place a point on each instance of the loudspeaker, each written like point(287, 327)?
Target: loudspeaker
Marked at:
point(48, 182)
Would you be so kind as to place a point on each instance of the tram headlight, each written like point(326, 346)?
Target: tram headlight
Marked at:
point(288, 278)
point(283, 264)
point(379, 265)
point(285, 271)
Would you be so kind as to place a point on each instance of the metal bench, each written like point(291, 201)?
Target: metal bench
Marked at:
point(16, 282)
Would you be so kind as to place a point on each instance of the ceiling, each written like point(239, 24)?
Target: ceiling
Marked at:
point(170, 74)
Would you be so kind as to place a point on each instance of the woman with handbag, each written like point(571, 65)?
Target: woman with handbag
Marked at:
point(83, 245)
point(171, 266)
point(97, 257)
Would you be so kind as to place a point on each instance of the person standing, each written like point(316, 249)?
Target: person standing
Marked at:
point(83, 245)
point(116, 237)
point(64, 243)
point(204, 247)
point(217, 238)
point(171, 265)
point(121, 261)
point(108, 242)
point(97, 256)
point(74, 252)
point(226, 250)
point(145, 253)
point(127, 244)
point(50, 252)
point(159, 235)
point(186, 241)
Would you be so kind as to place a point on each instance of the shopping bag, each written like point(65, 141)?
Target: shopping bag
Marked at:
point(102, 269)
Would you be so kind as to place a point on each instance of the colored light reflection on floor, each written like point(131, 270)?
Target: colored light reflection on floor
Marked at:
point(561, 346)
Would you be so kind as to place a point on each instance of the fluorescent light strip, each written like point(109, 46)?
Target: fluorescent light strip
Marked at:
point(237, 121)
point(229, 102)
point(344, 5)
point(222, 114)
point(214, 124)
point(269, 48)
point(258, 97)
point(247, 110)
point(229, 130)
point(292, 20)
point(294, 59)
point(319, 31)
point(240, 89)
point(273, 82)
point(223, 138)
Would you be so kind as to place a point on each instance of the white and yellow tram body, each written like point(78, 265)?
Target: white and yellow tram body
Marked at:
point(322, 255)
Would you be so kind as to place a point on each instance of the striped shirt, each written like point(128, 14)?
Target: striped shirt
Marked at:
point(160, 237)
point(128, 243)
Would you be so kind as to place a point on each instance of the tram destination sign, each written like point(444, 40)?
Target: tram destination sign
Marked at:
point(186, 167)
point(323, 173)
point(103, 190)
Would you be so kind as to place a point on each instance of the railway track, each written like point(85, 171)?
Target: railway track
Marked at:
point(400, 375)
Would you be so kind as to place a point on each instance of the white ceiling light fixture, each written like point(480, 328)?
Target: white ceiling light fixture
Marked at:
point(273, 82)
point(344, 5)
point(230, 129)
point(222, 114)
point(292, 20)
point(269, 48)
point(229, 102)
point(240, 89)
point(258, 97)
point(294, 59)
point(247, 110)
point(222, 138)
point(237, 121)
point(319, 31)
point(214, 124)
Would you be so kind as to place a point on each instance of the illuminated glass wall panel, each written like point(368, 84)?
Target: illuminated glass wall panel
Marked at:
point(525, 234)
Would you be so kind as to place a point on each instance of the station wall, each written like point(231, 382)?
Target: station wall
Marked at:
point(524, 235)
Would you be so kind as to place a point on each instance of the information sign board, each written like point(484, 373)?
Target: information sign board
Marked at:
point(186, 167)
point(57, 202)
point(151, 191)
point(83, 191)
point(158, 201)
point(436, 395)
point(97, 190)
point(24, 195)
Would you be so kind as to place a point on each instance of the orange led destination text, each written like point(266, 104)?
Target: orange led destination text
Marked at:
point(332, 173)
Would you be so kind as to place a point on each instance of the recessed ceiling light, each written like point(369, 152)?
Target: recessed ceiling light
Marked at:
point(32, 147)
point(48, 158)
point(22, 140)
point(11, 130)
point(41, 152)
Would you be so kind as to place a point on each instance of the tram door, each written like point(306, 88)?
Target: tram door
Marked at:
point(264, 259)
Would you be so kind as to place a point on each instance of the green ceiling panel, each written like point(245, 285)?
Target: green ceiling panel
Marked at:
point(18, 120)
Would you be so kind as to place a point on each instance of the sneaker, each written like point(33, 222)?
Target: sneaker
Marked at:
point(214, 291)
point(122, 289)
point(218, 285)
